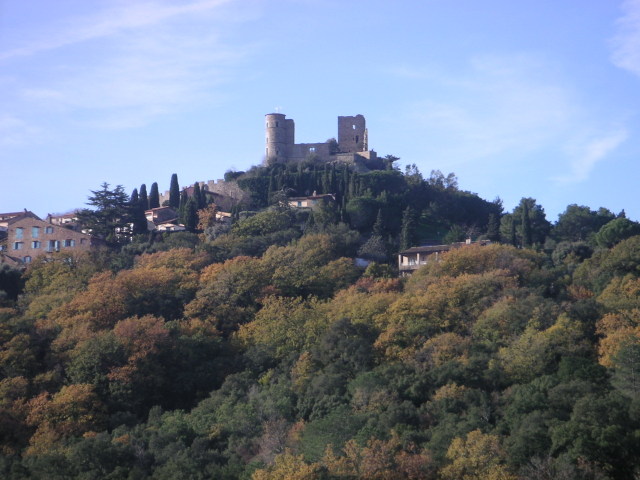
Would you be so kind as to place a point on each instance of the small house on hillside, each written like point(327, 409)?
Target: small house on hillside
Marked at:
point(163, 219)
point(68, 220)
point(311, 201)
point(413, 258)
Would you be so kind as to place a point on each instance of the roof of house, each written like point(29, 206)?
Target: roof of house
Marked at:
point(9, 218)
point(4, 216)
point(313, 197)
point(440, 248)
point(158, 209)
point(426, 249)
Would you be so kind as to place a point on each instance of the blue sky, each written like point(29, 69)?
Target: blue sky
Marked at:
point(527, 98)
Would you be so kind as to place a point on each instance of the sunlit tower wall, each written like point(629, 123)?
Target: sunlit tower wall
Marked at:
point(280, 135)
point(352, 134)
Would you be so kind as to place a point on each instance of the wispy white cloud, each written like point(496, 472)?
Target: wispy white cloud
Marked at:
point(589, 153)
point(127, 65)
point(507, 109)
point(626, 42)
point(14, 131)
point(498, 104)
point(126, 16)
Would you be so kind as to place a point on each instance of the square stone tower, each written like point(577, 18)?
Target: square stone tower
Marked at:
point(352, 134)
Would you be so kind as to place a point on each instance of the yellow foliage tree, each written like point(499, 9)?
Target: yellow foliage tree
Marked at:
point(284, 325)
point(288, 466)
point(72, 411)
point(531, 354)
point(478, 456)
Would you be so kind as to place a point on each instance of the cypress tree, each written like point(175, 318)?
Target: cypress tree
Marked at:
point(144, 200)
point(514, 238)
point(138, 217)
point(198, 197)
point(526, 226)
point(174, 192)
point(332, 180)
point(191, 215)
point(378, 226)
point(407, 230)
point(182, 208)
point(493, 228)
point(154, 196)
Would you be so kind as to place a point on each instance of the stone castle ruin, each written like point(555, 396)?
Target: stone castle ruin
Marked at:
point(351, 147)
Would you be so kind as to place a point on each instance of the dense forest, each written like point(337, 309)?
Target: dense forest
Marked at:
point(260, 350)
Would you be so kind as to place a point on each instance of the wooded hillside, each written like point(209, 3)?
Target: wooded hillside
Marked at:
point(261, 351)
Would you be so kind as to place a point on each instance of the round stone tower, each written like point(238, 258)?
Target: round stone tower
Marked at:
point(280, 134)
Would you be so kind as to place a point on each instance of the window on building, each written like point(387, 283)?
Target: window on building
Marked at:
point(35, 232)
point(277, 124)
point(353, 126)
point(27, 259)
point(83, 241)
point(69, 243)
point(35, 244)
point(53, 246)
point(312, 149)
point(48, 230)
point(18, 245)
point(19, 233)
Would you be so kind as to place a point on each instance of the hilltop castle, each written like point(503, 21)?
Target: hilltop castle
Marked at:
point(351, 146)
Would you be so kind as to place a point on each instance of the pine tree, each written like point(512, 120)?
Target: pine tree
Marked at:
point(112, 215)
point(144, 199)
point(174, 192)
point(154, 196)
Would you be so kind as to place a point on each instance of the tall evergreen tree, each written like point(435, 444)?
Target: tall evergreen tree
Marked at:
point(144, 199)
point(174, 192)
point(378, 226)
point(407, 230)
point(526, 226)
point(112, 215)
point(154, 196)
point(493, 228)
point(199, 196)
point(138, 218)
point(191, 215)
point(184, 199)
